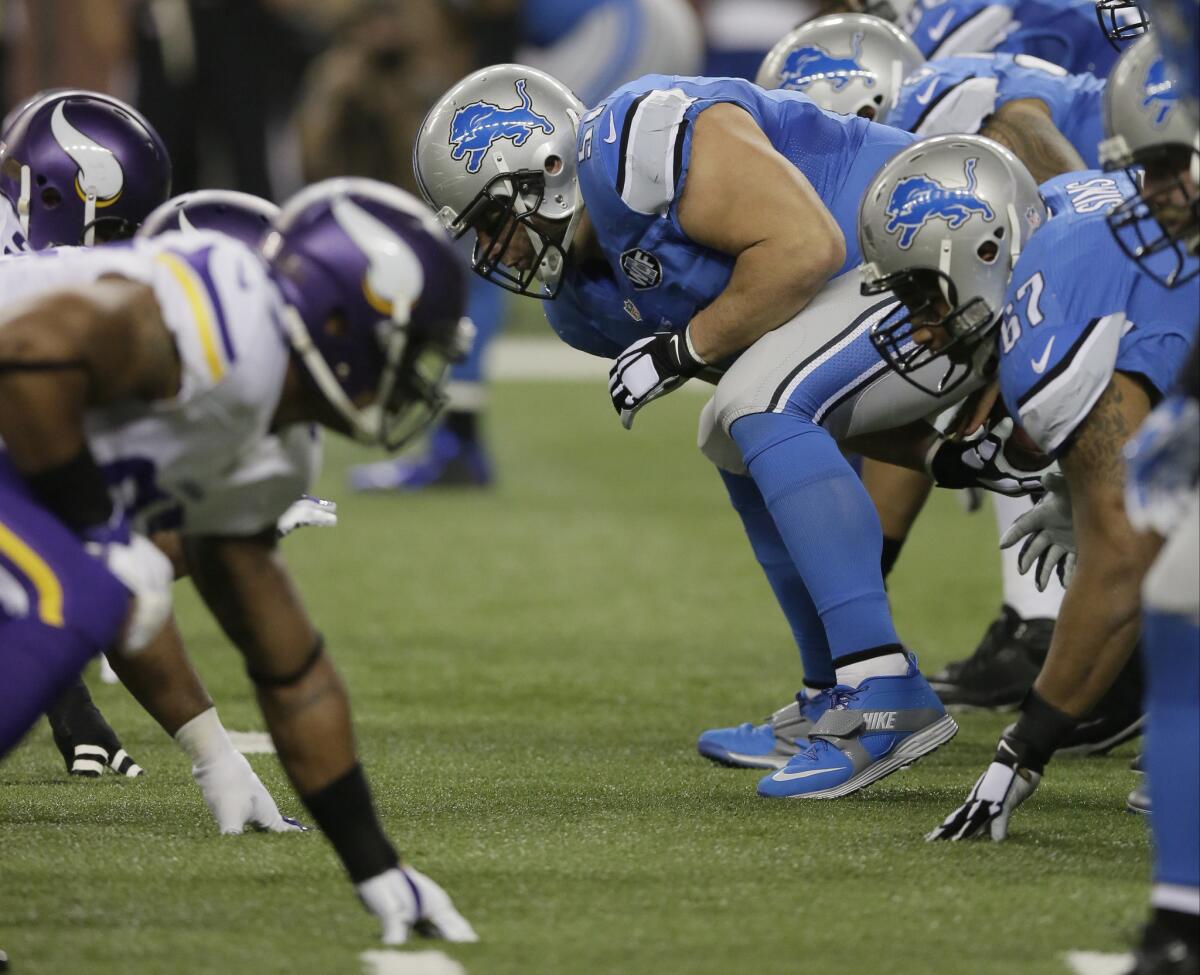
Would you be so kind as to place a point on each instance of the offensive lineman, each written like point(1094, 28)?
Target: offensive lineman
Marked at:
point(194, 363)
point(678, 225)
point(1082, 357)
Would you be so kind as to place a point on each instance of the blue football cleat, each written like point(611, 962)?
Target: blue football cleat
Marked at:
point(768, 745)
point(450, 461)
point(868, 732)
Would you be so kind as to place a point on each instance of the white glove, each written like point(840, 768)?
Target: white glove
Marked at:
point(143, 569)
point(405, 900)
point(1049, 535)
point(308, 511)
point(237, 799)
point(1003, 787)
point(651, 368)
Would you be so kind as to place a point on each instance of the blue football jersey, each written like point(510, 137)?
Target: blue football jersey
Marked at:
point(956, 95)
point(1063, 32)
point(634, 150)
point(1078, 309)
point(1177, 25)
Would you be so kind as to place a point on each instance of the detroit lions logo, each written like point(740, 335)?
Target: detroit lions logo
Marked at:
point(918, 199)
point(1161, 93)
point(807, 65)
point(477, 126)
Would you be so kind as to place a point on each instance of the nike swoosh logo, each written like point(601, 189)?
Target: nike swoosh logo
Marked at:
point(675, 348)
point(612, 130)
point(1039, 365)
point(938, 31)
point(924, 96)
point(788, 776)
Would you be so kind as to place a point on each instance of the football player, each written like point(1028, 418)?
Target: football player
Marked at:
point(62, 184)
point(1062, 32)
point(1082, 356)
point(136, 359)
point(1164, 468)
point(683, 224)
point(858, 64)
point(52, 144)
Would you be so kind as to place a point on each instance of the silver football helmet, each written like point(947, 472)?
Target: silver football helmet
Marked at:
point(1148, 125)
point(848, 63)
point(893, 11)
point(942, 226)
point(497, 154)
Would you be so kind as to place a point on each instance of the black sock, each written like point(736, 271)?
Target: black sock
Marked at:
point(344, 813)
point(464, 424)
point(869, 654)
point(1178, 924)
point(891, 552)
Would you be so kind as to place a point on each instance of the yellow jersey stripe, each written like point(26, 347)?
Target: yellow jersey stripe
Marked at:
point(34, 568)
point(202, 315)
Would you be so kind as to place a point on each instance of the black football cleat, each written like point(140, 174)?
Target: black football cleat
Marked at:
point(1168, 951)
point(85, 740)
point(1118, 718)
point(1003, 667)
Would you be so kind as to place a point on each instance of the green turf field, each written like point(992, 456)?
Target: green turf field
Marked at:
point(529, 669)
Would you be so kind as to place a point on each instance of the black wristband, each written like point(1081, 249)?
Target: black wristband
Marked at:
point(1039, 730)
point(946, 466)
point(344, 813)
point(75, 492)
point(891, 552)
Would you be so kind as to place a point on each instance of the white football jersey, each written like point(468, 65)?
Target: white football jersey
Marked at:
point(205, 461)
point(12, 239)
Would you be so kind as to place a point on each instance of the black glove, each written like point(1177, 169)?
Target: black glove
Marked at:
point(650, 368)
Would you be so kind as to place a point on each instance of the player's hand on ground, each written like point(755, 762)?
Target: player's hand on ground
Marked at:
point(1004, 786)
point(1049, 535)
point(308, 512)
point(981, 462)
point(237, 799)
point(1164, 465)
point(648, 369)
point(405, 900)
point(143, 569)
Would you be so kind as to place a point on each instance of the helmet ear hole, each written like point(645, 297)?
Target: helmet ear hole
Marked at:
point(988, 251)
point(51, 198)
point(41, 179)
point(553, 165)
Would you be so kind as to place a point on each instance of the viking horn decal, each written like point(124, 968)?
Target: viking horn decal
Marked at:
point(185, 224)
point(394, 274)
point(100, 173)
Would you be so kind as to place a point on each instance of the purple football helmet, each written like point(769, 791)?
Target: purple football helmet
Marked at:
point(80, 167)
point(239, 215)
point(376, 294)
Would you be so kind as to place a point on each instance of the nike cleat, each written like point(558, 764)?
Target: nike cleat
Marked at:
point(767, 745)
point(868, 732)
point(85, 739)
point(1003, 667)
point(1118, 718)
point(450, 461)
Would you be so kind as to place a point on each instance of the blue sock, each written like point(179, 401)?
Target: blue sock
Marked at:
point(828, 523)
point(785, 581)
point(1172, 753)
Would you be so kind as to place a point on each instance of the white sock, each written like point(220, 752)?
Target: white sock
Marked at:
point(1020, 591)
point(1176, 897)
point(204, 739)
point(889, 665)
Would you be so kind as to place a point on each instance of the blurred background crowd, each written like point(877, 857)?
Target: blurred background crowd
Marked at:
point(263, 95)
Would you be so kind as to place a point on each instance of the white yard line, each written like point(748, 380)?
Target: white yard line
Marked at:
point(252, 742)
point(383, 962)
point(1098, 963)
point(546, 359)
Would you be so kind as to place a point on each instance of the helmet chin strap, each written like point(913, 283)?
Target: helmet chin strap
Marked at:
point(365, 426)
point(23, 201)
point(89, 220)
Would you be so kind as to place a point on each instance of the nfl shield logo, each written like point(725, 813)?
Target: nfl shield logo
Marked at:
point(642, 268)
